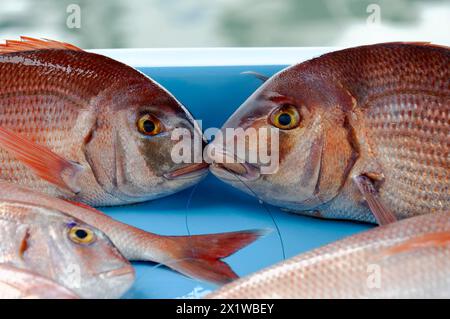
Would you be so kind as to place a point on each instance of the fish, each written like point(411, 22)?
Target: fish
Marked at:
point(363, 135)
point(197, 256)
point(62, 249)
point(405, 259)
point(82, 126)
point(16, 283)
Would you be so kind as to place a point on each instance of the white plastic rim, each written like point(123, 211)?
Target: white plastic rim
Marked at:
point(191, 57)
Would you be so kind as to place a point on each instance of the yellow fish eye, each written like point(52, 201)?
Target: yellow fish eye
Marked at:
point(81, 235)
point(286, 117)
point(149, 125)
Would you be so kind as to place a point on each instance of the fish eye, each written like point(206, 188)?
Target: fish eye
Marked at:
point(286, 117)
point(81, 235)
point(148, 124)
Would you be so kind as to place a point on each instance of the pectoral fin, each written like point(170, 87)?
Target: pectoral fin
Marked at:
point(382, 214)
point(45, 163)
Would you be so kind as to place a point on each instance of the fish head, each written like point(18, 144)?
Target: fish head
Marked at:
point(133, 151)
point(300, 120)
point(79, 257)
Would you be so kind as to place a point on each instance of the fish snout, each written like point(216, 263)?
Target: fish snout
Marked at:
point(226, 165)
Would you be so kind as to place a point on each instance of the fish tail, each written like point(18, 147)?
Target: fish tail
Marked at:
point(199, 256)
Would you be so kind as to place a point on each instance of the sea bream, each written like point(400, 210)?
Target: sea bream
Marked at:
point(406, 259)
point(197, 256)
point(364, 134)
point(63, 249)
point(16, 283)
point(83, 126)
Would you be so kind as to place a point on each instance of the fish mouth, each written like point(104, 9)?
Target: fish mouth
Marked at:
point(118, 272)
point(233, 171)
point(228, 167)
point(188, 172)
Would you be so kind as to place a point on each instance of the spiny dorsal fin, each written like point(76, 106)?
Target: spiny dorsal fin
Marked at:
point(31, 44)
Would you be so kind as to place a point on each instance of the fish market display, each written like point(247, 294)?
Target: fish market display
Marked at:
point(82, 126)
point(17, 283)
point(363, 133)
point(198, 256)
point(63, 249)
point(406, 259)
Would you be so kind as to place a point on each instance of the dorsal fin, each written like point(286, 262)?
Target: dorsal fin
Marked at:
point(31, 44)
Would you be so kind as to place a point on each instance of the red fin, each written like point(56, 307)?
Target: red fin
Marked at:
point(199, 256)
point(31, 44)
point(382, 214)
point(428, 240)
point(45, 163)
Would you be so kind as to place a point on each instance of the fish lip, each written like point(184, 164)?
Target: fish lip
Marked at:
point(251, 172)
point(117, 272)
point(188, 172)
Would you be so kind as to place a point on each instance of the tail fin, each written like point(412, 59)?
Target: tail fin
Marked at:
point(200, 255)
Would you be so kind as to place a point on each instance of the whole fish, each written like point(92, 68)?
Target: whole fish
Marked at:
point(363, 133)
point(406, 259)
point(82, 126)
point(198, 256)
point(17, 283)
point(63, 249)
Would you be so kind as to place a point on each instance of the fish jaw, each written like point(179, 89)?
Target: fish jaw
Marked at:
point(18, 283)
point(193, 171)
point(114, 283)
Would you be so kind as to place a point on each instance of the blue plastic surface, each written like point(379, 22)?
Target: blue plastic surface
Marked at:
point(212, 94)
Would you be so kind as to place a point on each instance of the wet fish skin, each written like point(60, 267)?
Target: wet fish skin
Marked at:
point(37, 239)
point(17, 283)
point(379, 111)
point(85, 107)
point(406, 259)
point(198, 256)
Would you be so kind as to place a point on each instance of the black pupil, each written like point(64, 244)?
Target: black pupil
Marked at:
point(149, 126)
point(82, 234)
point(284, 119)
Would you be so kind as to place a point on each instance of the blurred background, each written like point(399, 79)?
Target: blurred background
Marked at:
point(218, 23)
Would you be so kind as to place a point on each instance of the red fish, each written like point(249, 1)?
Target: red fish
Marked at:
point(364, 134)
point(82, 126)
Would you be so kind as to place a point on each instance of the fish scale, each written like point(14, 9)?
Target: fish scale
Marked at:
point(414, 168)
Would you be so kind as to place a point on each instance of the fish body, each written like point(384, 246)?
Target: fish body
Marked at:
point(406, 259)
point(98, 131)
point(198, 256)
point(17, 283)
point(366, 134)
point(63, 249)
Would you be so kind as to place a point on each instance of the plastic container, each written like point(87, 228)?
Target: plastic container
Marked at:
point(208, 82)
